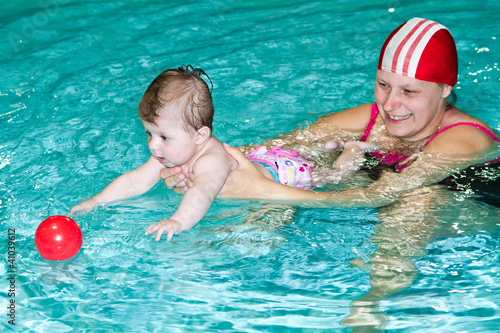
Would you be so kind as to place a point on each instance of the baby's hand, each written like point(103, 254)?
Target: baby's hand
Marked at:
point(83, 206)
point(166, 226)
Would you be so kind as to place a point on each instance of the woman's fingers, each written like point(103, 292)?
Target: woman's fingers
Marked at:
point(173, 177)
point(237, 155)
point(180, 190)
point(244, 181)
point(185, 185)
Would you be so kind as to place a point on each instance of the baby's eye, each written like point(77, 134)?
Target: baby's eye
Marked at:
point(164, 138)
point(147, 133)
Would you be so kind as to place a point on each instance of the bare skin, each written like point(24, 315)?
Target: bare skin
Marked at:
point(411, 111)
point(171, 144)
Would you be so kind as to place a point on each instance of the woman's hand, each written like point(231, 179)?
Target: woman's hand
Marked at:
point(246, 182)
point(175, 179)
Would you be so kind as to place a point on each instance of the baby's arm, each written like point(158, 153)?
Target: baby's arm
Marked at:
point(211, 172)
point(128, 185)
point(346, 165)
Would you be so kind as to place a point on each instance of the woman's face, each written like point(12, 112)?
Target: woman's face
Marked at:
point(411, 109)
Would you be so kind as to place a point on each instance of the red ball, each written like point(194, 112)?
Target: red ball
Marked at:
point(58, 238)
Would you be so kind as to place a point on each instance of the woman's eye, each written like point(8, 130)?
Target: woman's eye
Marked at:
point(408, 91)
point(382, 84)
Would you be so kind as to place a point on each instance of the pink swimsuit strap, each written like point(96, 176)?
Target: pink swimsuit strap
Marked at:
point(373, 119)
point(482, 128)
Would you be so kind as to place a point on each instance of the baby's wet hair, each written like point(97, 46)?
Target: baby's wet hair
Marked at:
point(181, 89)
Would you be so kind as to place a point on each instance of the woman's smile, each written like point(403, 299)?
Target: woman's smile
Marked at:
point(398, 118)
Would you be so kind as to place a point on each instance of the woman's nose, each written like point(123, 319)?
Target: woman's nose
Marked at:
point(392, 101)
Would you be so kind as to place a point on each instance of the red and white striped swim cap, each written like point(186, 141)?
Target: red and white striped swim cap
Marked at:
point(421, 49)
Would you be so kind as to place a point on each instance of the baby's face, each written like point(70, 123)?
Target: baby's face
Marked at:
point(169, 142)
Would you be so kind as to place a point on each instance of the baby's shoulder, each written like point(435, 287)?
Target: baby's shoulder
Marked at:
point(215, 157)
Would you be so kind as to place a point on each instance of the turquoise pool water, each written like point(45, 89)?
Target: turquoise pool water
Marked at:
point(72, 75)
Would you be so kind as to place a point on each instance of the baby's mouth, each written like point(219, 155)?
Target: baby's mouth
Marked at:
point(160, 159)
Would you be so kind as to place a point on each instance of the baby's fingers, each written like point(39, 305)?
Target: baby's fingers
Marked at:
point(168, 227)
point(75, 210)
point(158, 228)
point(158, 234)
point(171, 233)
point(152, 228)
point(163, 230)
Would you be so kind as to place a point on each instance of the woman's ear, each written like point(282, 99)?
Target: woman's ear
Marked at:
point(446, 90)
point(203, 134)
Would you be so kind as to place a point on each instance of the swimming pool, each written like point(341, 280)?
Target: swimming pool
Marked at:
point(73, 73)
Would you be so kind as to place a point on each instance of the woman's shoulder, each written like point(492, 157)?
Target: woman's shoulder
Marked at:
point(455, 116)
point(461, 134)
point(354, 119)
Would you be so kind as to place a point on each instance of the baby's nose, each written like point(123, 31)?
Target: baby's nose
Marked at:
point(152, 144)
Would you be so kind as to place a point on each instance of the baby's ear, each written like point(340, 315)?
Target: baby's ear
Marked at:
point(203, 134)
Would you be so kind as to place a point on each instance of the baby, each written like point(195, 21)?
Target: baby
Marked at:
point(176, 112)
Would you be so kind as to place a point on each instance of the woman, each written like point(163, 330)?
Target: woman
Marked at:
point(421, 136)
point(423, 140)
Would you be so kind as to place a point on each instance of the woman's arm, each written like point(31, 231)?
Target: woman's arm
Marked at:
point(347, 125)
point(427, 168)
point(248, 183)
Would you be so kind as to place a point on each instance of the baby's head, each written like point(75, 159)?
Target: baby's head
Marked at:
point(183, 94)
